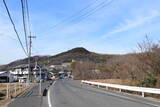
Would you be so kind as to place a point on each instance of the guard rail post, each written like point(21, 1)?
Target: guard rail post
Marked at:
point(142, 94)
point(120, 90)
point(106, 88)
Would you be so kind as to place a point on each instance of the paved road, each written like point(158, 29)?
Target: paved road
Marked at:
point(30, 98)
point(72, 94)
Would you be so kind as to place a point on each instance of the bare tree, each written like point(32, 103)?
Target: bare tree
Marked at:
point(149, 57)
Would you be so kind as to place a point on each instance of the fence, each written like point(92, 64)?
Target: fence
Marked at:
point(123, 87)
point(9, 90)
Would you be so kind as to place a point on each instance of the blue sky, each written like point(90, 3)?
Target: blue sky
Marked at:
point(114, 29)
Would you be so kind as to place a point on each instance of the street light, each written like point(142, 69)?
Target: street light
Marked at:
point(40, 83)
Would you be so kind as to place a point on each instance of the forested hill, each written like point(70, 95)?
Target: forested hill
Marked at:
point(77, 54)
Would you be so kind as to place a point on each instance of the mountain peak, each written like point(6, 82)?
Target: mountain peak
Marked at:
point(79, 50)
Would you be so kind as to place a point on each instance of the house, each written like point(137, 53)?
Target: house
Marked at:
point(21, 72)
point(6, 76)
point(60, 67)
point(66, 64)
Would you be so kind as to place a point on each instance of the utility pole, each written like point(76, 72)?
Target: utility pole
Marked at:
point(29, 56)
point(40, 76)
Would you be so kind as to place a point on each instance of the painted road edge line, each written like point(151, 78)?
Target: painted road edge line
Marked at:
point(49, 97)
point(49, 100)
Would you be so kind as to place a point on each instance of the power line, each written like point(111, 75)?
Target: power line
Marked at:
point(77, 13)
point(14, 27)
point(24, 23)
point(99, 7)
point(95, 9)
point(30, 38)
point(81, 14)
point(92, 11)
point(28, 18)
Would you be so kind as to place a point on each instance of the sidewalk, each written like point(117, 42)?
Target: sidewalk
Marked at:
point(30, 98)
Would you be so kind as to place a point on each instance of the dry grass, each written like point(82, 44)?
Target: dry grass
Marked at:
point(117, 81)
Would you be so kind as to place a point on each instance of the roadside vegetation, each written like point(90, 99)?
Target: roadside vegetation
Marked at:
point(141, 68)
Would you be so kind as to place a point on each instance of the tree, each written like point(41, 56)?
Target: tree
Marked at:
point(149, 57)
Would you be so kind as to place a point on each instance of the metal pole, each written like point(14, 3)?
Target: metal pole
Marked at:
point(9, 89)
point(40, 85)
point(40, 76)
point(142, 94)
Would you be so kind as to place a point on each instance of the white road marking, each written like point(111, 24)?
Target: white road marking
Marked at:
point(49, 97)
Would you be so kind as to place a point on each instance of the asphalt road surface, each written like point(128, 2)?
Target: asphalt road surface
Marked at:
point(71, 94)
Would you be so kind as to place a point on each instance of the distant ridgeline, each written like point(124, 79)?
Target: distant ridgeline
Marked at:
point(77, 54)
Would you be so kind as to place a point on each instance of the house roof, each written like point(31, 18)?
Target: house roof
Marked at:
point(1, 72)
point(23, 66)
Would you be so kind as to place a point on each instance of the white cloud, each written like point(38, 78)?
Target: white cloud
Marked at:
point(132, 23)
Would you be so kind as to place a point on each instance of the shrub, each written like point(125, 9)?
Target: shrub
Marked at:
point(148, 81)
